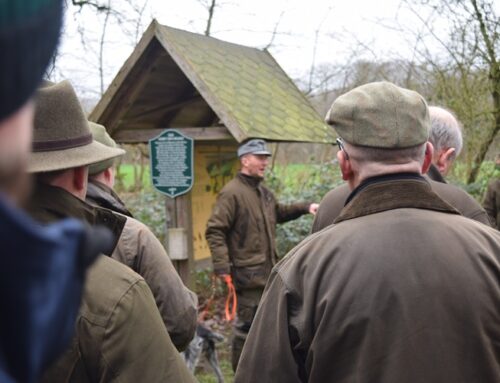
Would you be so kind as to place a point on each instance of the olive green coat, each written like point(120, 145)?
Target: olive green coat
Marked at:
point(241, 231)
point(139, 249)
point(491, 203)
point(333, 202)
point(400, 289)
point(119, 334)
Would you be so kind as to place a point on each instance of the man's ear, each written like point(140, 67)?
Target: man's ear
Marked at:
point(444, 160)
point(345, 165)
point(429, 151)
point(109, 176)
point(80, 176)
point(244, 160)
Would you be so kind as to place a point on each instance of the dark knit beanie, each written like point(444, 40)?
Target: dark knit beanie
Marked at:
point(29, 32)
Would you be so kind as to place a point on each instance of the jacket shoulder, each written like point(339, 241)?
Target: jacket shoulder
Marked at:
point(460, 200)
point(106, 283)
point(232, 187)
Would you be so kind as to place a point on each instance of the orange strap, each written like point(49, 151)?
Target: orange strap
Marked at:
point(210, 301)
point(231, 299)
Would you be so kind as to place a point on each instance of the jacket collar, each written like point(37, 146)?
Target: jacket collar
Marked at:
point(101, 195)
point(381, 178)
point(253, 182)
point(435, 175)
point(51, 203)
point(394, 191)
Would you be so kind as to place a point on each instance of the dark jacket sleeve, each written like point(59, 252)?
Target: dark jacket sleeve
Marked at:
point(178, 305)
point(218, 227)
point(285, 213)
point(489, 203)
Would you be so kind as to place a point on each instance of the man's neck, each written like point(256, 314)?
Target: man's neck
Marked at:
point(376, 170)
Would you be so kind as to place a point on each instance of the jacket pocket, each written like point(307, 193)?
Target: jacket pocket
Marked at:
point(248, 277)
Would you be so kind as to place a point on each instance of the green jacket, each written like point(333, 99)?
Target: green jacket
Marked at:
point(139, 249)
point(119, 334)
point(400, 289)
point(491, 203)
point(241, 231)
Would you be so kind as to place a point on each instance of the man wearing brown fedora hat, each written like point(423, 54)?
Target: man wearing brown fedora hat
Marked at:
point(139, 249)
point(446, 138)
point(401, 288)
point(42, 268)
point(119, 331)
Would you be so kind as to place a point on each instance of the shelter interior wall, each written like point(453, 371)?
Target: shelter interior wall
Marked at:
point(215, 165)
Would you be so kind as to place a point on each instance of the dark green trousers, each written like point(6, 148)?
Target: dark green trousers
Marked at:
point(248, 301)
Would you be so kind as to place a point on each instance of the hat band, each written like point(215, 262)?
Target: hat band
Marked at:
point(45, 146)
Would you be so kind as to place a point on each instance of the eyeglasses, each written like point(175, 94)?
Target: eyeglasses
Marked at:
point(340, 144)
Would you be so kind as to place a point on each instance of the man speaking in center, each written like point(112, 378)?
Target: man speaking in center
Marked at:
point(241, 234)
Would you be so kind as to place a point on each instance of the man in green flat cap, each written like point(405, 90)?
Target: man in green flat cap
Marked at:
point(446, 138)
point(401, 288)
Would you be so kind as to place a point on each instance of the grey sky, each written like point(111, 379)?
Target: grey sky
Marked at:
point(365, 26)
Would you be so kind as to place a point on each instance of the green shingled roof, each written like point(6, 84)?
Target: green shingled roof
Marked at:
point(247, 89)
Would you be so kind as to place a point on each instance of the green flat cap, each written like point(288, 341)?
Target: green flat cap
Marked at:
point(100, 135)
point(381, 115)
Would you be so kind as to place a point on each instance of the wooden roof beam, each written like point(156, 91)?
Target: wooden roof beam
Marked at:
point(211, 133)
point(166, 108)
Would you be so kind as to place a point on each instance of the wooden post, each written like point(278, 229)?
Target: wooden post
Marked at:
point(179, 214)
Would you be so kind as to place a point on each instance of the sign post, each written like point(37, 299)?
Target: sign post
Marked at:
point(171, 155)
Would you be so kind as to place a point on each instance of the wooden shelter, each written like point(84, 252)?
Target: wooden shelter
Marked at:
point(215, 92)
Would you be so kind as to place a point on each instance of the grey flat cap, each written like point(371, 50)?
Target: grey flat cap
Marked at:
point(255, 146)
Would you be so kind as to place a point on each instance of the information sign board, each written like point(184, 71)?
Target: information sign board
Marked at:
point(171, 155)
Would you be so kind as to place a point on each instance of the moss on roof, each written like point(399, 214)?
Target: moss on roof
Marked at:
point(246, 87)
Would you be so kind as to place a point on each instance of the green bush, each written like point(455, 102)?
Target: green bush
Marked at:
point(477, 189)
point(148, 206)
point(296, 183)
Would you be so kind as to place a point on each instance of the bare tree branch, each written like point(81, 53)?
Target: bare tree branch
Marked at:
point(211, 10)
point(90, 3)
point(101, 49)
point(275, 31)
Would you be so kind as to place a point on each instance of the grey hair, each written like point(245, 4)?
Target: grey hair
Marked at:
point(446, 131)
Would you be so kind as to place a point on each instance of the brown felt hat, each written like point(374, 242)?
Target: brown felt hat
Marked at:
point(61, 136)
point(381, 115)
point(100, 135)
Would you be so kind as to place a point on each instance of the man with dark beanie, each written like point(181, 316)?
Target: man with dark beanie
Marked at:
point(42, 268)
